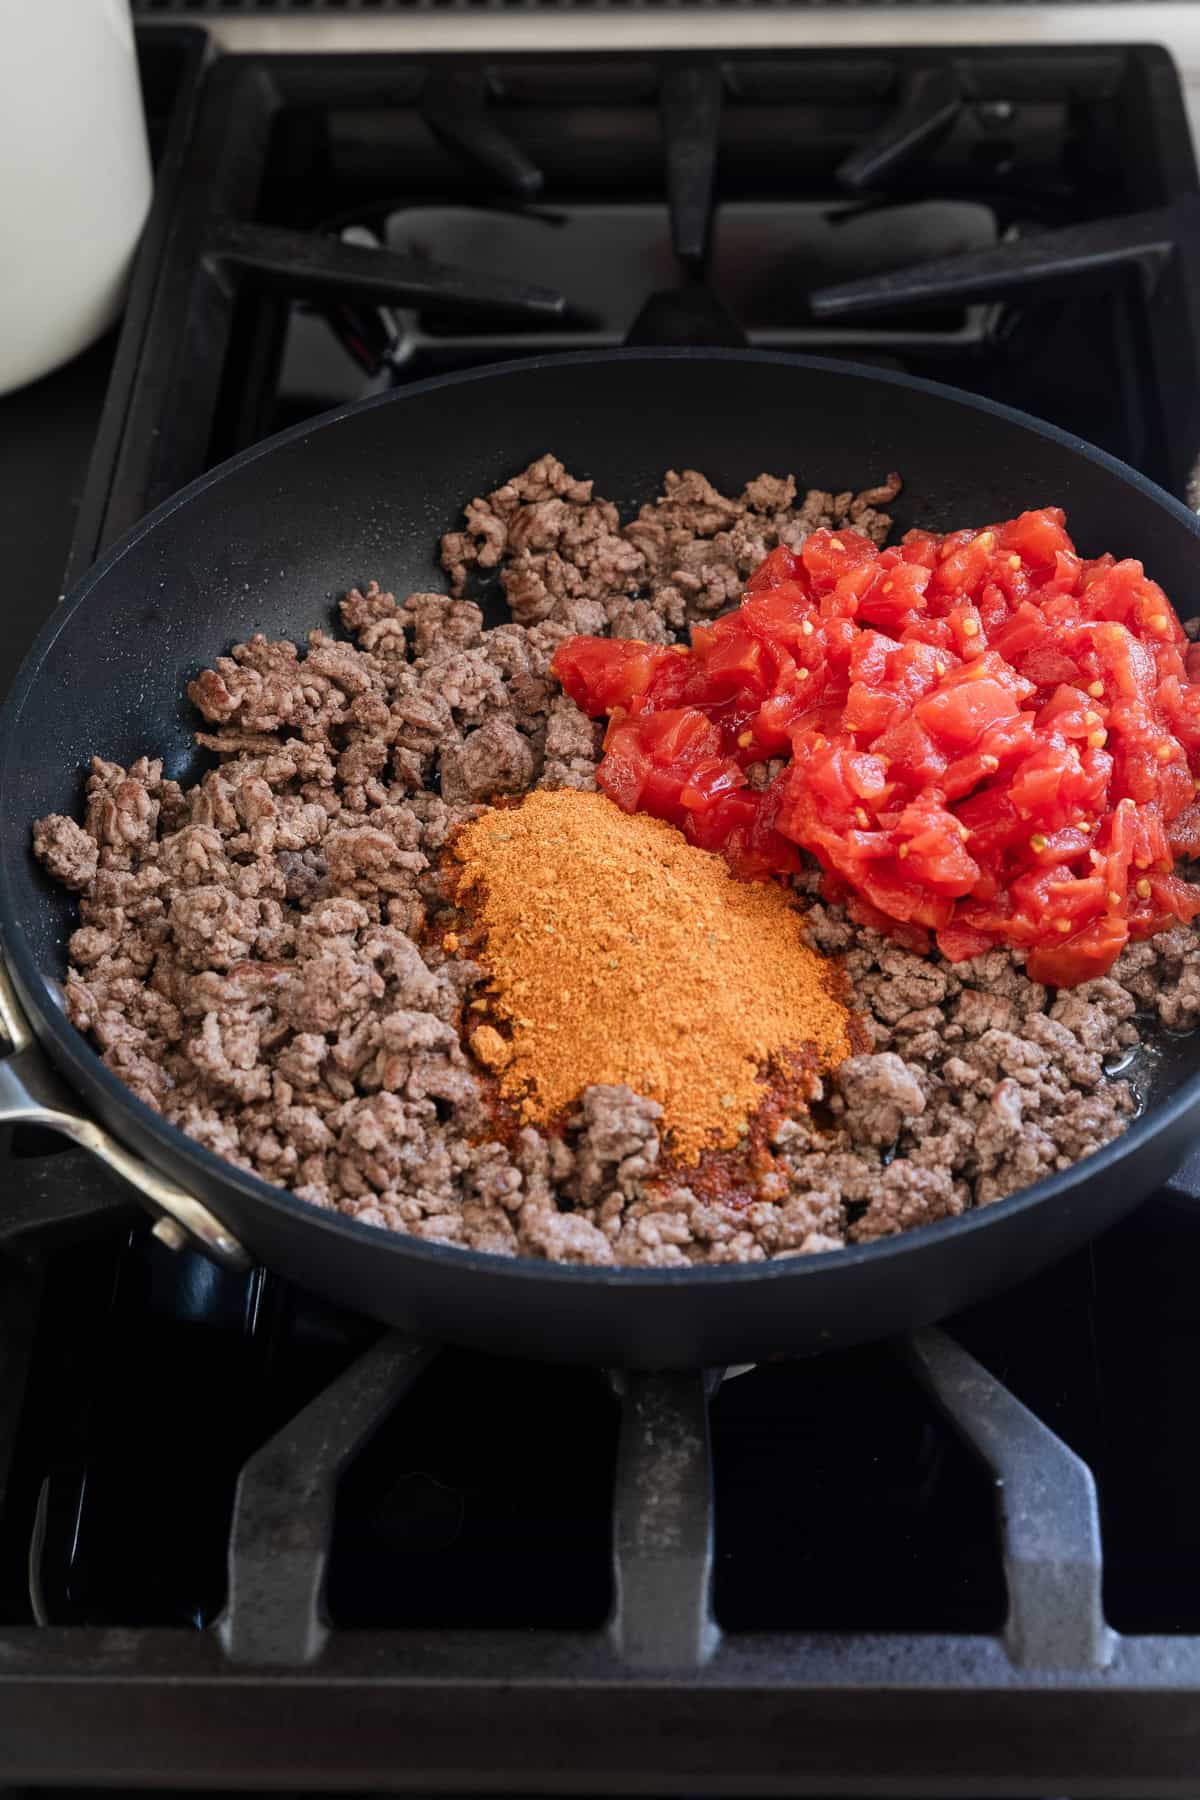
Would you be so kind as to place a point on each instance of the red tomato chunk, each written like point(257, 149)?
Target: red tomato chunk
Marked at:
point(984, 738)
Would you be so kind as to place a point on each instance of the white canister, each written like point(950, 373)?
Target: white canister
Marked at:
point(75, 178)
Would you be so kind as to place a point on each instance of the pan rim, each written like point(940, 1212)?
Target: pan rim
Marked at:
point(73, 1053)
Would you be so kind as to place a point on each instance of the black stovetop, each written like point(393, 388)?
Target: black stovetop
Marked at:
point(248, 1540)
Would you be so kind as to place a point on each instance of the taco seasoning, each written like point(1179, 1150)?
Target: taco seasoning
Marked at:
point(616, 952)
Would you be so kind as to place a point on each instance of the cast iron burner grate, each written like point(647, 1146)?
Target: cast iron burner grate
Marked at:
point(324, 1649)
point(1020, 222)
point(246, 1539)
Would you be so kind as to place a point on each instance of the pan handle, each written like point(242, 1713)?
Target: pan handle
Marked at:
point(32, 1093)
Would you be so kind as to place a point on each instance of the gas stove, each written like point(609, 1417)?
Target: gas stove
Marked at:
point(248, 1540)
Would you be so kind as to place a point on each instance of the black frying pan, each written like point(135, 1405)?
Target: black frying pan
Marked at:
point(270, 539)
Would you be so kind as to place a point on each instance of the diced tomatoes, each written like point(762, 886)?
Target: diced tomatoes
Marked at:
point(982, 736)
point(602, 674)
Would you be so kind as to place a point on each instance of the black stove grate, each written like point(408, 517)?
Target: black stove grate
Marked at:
point(244, 1538)
point(248, 1540)
point(653, 1683)
point(1041, 163)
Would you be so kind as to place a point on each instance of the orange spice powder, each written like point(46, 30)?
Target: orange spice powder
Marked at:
point(618, 952)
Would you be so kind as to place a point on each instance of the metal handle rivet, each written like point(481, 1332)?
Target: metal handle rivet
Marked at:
point(170, 1232)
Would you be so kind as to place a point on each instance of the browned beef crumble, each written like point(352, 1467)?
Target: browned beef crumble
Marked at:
point(563, 554)
point(255, 955)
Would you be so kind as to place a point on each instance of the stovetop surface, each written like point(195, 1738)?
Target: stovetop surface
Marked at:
point(246, 1538)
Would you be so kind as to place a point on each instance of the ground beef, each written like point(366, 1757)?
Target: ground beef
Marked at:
point(69, 853)
point(685, 556)
point(879, 1095)
point(262, 956)
point(978, 1074)
point(496, 759)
